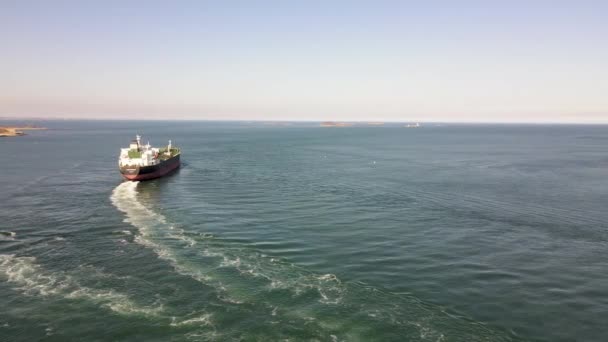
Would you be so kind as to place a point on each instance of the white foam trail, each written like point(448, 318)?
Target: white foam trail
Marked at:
point(124, 198)
point(156, 233)
point(231, 262)
point(215, 263)
point(153, 227)
point(155, 230)
point(32, 279)
point(204, 320)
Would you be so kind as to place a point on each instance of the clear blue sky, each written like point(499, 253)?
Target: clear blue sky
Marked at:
point(306, 60)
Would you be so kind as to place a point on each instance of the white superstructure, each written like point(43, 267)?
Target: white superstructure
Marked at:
point(138, 154)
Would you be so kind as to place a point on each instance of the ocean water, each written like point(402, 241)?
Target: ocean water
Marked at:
point(302, 233)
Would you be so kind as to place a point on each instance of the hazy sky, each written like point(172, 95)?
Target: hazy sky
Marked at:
point(306, 60)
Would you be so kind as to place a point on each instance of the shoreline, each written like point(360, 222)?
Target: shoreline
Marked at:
point(17, 131)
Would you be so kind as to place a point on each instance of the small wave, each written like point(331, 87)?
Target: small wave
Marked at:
point(204, 320)
point(328, 277)
point(121, 232)
point(231, 262)
point(10, 236)
point(32, 279)
point(179, 234)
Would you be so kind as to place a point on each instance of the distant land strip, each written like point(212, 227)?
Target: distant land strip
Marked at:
point(9, 131)
point(335, 124)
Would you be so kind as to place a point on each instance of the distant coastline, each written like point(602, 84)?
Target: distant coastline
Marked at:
point(335, 124)
point(11, 131)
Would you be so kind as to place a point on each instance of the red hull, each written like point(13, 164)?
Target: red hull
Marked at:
point(162, 170)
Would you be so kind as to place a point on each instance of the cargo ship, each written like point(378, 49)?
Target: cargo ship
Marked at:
point(143, 162)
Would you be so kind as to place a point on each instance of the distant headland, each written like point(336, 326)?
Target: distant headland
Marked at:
point(10, 131)
point(335, 124)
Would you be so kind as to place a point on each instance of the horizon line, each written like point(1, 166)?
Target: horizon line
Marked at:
point(498, 122)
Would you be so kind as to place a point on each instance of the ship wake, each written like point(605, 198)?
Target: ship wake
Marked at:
point(280, 292)
point(199, 257)
point(31, 279)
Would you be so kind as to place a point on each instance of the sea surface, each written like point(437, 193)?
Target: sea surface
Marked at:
point(302, 233)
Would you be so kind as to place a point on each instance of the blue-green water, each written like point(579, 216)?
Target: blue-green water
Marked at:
point(443, 233)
